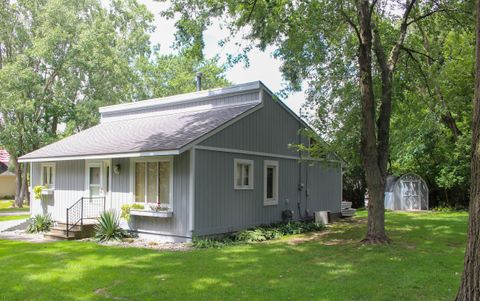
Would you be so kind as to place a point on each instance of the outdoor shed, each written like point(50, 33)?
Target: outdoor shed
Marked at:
point(408, 192)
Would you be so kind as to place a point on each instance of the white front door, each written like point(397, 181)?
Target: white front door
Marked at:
point(95, 180)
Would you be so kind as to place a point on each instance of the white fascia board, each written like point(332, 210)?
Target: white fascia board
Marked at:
point(182, 98)
point(107, 156)
point(262, 154)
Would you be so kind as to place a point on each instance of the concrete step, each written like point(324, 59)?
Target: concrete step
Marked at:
point(59, 231)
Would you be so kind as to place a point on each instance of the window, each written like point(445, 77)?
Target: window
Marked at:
point(48, 175)
point(271, 183)
point(243, 170)
point(152, 182)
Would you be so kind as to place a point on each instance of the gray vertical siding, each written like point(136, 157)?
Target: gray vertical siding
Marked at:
point(120, 190)
point(69, 187)
point(178, 224)
point(270, 130)
point(220, 208)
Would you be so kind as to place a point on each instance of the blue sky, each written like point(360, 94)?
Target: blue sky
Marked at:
point(262, 65)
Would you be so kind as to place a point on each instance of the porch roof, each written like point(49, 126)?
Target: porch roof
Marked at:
point(167, 134)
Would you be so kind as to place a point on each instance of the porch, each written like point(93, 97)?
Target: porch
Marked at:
point(76, 192)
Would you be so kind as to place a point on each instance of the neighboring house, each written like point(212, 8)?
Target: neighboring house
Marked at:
point(7, 178)
point(214, 161)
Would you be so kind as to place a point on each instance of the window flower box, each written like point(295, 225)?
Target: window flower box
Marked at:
point(150, 213)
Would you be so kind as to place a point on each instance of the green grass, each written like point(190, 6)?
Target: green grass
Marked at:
point(423, 263)
point(7, 206)
point(13, 217)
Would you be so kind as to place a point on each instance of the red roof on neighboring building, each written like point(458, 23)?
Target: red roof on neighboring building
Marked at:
point(4, 157)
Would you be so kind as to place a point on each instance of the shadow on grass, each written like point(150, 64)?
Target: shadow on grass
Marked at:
point(421, 264)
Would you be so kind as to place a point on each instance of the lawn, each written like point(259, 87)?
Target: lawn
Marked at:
point(6, 206)
point(423, 263)
point(13, 217)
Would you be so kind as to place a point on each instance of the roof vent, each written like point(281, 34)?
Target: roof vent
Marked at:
point(199, 80)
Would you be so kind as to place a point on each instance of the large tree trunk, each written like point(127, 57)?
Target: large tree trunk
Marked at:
point(18, 183)
point(370, 158)
point(470, 285)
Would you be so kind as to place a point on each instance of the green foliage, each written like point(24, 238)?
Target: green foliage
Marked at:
point(432, 82)
point(259, 234)
point(37, 192)
point(167, 75)
point(207, 243)
point(108, 227)
point(126, 210)
point(40, 223)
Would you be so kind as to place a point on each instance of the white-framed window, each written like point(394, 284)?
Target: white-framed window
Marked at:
point(270, 177)
point(153, 181)
point(243, 174)
point(48, 175)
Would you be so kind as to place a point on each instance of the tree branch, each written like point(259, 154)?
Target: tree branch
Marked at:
point(351, 23)
point(394, 54)
point(417, 52)
point(429, 14)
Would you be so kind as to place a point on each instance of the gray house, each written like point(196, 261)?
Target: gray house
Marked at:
point(202, 163)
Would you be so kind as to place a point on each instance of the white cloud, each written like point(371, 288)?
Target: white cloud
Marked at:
point(262, 67)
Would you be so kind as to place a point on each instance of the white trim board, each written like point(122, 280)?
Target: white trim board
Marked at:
point(191, 208)
point(111, 156)
point(253, 153)
point(188, 97)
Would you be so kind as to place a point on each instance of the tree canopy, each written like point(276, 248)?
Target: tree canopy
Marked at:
point(61, 60)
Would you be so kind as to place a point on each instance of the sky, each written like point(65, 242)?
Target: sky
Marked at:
point(262, 67)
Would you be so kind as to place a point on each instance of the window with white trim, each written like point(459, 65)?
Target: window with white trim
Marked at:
point(48, 175)
point(243, 174)
point(153, 182)
point(270, 176)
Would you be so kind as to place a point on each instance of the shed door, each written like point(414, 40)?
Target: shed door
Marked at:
point(411, 195)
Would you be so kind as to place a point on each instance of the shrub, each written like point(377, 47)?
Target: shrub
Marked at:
point(108, 227)
point(206, 243)
point(126, 210)
point(260, 233)
point(37, 192)
point(40, 223)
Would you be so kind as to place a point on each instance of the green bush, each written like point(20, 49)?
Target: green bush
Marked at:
point(108, 227)
point(37, 192)
point(206, 243)
point(126, 210)
point(40, 223)
point(260, 233)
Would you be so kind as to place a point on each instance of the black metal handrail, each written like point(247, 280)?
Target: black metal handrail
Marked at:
point(82, 209)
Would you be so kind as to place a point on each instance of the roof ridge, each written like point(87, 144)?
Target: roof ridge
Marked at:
point(183, 110)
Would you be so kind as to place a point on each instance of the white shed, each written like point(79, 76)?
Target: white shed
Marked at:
point(408, 192)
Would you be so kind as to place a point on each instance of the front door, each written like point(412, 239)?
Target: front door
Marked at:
point(94, 200)
point(94, 180)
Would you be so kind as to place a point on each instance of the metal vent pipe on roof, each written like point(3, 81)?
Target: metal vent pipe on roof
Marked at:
point(199, 80)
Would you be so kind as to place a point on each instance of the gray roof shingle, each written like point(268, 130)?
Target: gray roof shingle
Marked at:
point(156, 133)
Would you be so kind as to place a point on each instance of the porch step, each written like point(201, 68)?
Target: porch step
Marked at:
point(59, 232)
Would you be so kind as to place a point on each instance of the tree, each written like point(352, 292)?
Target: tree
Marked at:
point(324, 43)
point(470, 285)
point(60, 58)
point(172, 74)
